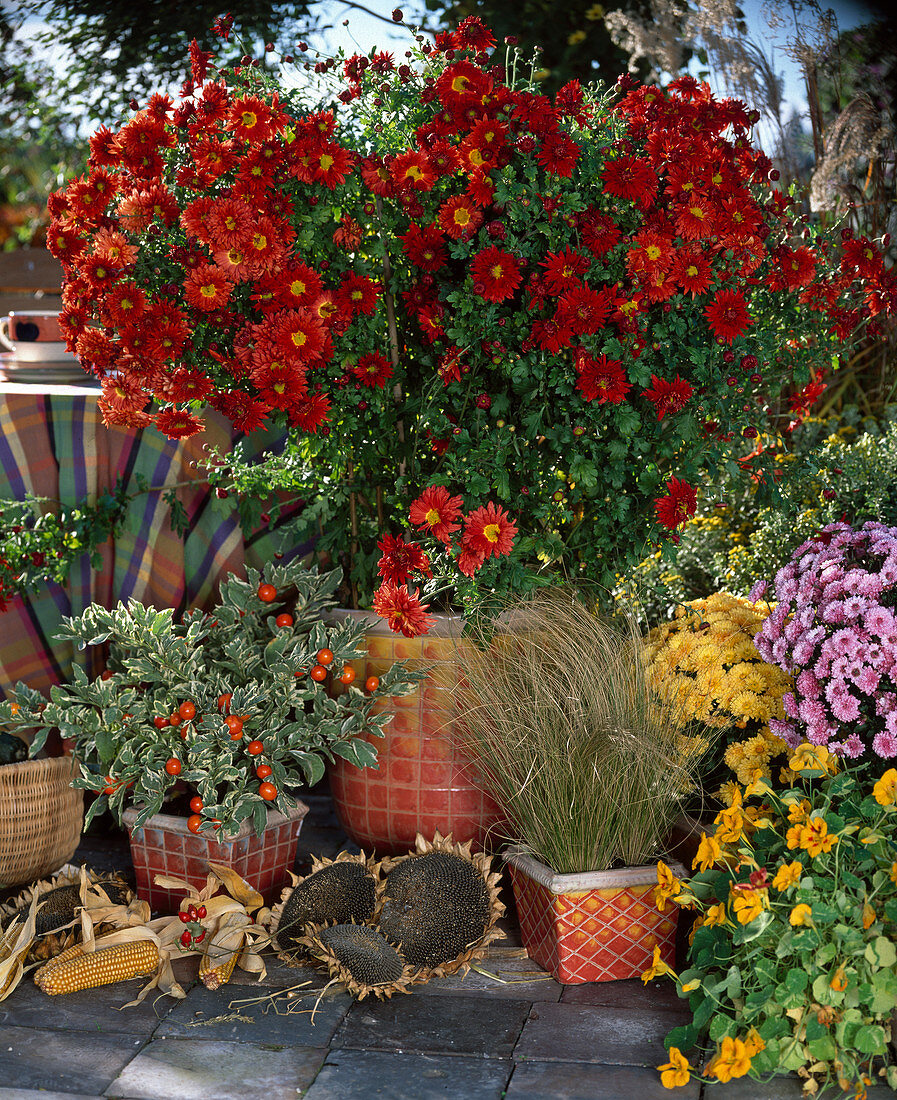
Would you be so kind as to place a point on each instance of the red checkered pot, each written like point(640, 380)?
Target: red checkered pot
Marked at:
point(165, 846)
point(424, 782)
point(598, 926)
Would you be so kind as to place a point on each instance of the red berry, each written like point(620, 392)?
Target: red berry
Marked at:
point(268, 791)
point(255, 748)
point(173, 766)
point(325, 656)
point(267, 593)
point(159, 722)
point(187, 710)
point(347, 675)
point(318, 673)
point(263, 771)
point(284, 620)
point(186, 937)
point(372, 683)
point(234, 724)
point(194, 823)
point(196, 803)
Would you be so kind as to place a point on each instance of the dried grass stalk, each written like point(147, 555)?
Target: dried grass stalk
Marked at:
point(589, 767)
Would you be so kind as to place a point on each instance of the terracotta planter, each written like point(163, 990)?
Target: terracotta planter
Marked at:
point(165, 846)
point(424, 782)
point(598, 926)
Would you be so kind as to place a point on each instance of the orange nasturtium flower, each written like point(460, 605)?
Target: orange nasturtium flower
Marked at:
point(675, 1073)
point(716, 914)
point(731, 1060)
point(668, 886)
point(787, 875)
point(709, 853)
point(885, 790)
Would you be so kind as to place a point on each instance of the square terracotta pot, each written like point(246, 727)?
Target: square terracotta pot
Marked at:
point(597, 926)
point(165, 846)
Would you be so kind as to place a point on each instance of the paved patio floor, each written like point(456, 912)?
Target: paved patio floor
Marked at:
point(511, 1032)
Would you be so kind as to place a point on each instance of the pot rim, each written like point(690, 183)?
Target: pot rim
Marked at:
point(175, 824)
point(579, 881)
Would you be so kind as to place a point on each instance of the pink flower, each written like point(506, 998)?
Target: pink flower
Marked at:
point(757, 592)
point(885, 744)
point(880, 621)
point(845, 706)
point(853, 746)
point(868, 680)
point(786, 731)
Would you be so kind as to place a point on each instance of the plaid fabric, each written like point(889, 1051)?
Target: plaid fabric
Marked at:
point(54, 444)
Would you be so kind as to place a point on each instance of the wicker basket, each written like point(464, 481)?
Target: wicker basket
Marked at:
point(40, 818)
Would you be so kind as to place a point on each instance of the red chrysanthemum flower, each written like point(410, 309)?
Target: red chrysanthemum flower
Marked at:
point(251, 119)
point(582, 309)
point(563, 270)
point(650, 252)
point(459, 217)
point(496, 274)
point(600, 233)
point(601, 379)
point(680, 502)
point(401, 559)
point(300, 334)
point(558, 155)
point(551, 335)
point(206, 288)
point(331, 166)
point(633, 178)
point(403, 612)
point(691, 271)
point(473, 35)
point(425, 248)
point(669, 397)
point(695, 218)
point(377, 177)
point(186, 385)
point(178, 423)
point(358, 294)
point(412, 171)
point(138, 208)
point(373, 370)
point(469, 559)
point(436, 511)
point(727, 315)
point(311, 412)
point(489, 530)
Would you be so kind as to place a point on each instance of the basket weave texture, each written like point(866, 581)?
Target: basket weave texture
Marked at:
point(40, 818)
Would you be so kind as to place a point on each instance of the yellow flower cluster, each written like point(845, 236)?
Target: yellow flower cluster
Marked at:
point(705, 663)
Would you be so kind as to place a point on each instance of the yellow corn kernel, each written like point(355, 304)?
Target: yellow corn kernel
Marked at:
point(88, 970)
point(74, 952)
point(211, 975)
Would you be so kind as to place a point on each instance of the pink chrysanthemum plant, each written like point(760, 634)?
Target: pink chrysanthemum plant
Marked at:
point(522, 328)
point(834, 629)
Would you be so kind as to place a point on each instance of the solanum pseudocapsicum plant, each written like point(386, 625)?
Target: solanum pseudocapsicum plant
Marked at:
point(522, 329)
point(793, 964)
point(232, 706)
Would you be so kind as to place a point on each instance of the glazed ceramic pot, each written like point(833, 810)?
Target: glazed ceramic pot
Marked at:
point(165, 846)
point(597, 926)
point(425, 781)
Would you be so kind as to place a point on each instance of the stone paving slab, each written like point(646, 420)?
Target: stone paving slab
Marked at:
point(630, 994)
point(184, 1069)
point(209, 1015)
point(66, 1061)
point(581, 1033)
point(96, 1010)
point(479, 1026)
point(44, 1094)
point(364, 1074)
point(576, 1081)
point(523, 981)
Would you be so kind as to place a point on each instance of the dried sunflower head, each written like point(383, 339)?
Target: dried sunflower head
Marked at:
point(361, 958)
point(440, 905)
point(338, 891)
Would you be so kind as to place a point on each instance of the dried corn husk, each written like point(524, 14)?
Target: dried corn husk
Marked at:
point(15, 943)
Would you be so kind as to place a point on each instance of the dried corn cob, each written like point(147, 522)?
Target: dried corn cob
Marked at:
point(214, 975)
point(74, 952)
point(109, 964)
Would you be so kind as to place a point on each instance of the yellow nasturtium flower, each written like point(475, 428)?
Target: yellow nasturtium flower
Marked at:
point(800, 914)
point(716, 914)
point(675, 1073)
point(885, 790)
point(709, 853)
point(816, 838)
point(813, 759)
point(657, 968)
point(731, 1060)
point(787, 875)
point(748, 905)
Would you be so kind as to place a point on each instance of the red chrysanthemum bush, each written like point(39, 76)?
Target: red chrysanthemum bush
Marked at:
point(510, 336)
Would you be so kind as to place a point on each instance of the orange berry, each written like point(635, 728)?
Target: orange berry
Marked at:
point(187, 710)
point(318, 673)
point(255, 748)
point(196, 803)
point(347, 675)
point(372, 683)
point(263, 771)
point(325, 656)
point(194, 823)
point(267, 593)
point(224, 702)
point(284, 620)
point(173, 766)
point(268, 791)
point(234, 724)
point(159, 722)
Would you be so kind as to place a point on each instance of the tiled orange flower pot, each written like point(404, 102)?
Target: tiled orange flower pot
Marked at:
point(598, 926)
point(165, 846)
point(424, 782)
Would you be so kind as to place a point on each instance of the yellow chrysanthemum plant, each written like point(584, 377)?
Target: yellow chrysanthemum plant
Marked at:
point(792, 964)
point(705, 659)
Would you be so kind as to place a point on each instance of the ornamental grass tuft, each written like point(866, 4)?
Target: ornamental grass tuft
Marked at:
point(588, 766)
